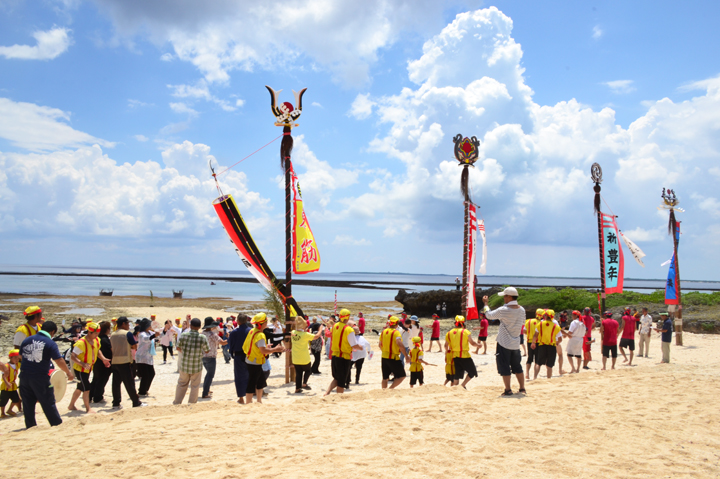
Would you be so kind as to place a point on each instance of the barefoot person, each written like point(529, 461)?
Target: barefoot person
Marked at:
point(507, 354)
point(589, 323)
point(609, 331)
point(482, 334)
point(416, 363)
point(627, 340)
point(85, 352)
point(575, 336)
point(530, 328)
point(342, 346)
point(458, 341)
point(8, 385)
point(256, 348)
point(558, 341)
point(435, 335)
point(392, 349)
point(544, 341)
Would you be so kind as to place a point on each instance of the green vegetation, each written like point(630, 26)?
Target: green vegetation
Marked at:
point(273, 304)
point(569, 299)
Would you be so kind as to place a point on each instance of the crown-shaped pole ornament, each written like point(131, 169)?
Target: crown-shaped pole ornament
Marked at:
point(285, 113)
point(466, 150)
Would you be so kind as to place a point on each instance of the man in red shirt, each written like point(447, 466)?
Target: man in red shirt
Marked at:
point(482, 335)
point(609, 332)
point(627, 325)
point(435, 336)
point(589, 323)
point(361, 323)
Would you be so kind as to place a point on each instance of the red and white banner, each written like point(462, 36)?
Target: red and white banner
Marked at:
point(471, 311)
point(483, 263)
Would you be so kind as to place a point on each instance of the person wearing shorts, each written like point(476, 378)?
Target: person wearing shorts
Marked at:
point(627, 340)
point(483, 334)
point(609, 329)
point(530, 328)
point(544, 341)
point(449, 369)
point(575, 336)
point(256, 349)
point(85, 352)
point(435, 335)
point(343, 343)
point(416, 363)
point(458, 341)
point(392, 349)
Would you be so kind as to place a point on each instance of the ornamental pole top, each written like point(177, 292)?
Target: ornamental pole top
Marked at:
point(596, 173)
point(466, 150)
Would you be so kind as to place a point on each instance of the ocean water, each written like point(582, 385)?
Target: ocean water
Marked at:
point(42, 280)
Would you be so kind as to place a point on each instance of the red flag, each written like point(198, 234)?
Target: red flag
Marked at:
point(471, 311)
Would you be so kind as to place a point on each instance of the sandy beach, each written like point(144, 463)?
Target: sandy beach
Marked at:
point(648, 420)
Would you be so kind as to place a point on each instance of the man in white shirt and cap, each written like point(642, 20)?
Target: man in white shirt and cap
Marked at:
point(507, 356)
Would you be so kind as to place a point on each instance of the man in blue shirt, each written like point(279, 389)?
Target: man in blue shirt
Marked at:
point(236, 340)
point(666, 337)
point(37, 352)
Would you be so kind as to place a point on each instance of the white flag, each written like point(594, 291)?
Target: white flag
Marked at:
point(483, 264)
point(666, 262)
point(636, 252)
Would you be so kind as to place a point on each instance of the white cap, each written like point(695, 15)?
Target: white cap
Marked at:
point(509, 291)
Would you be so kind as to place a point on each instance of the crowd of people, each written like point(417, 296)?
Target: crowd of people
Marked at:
point(116, 349)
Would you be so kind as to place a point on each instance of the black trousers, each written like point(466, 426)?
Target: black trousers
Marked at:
point(101, 374)
point(302, 374)
point(123, 373)
point(358, 368)
point(146, 373)
point(316, 363)
point(165, 351)
point(34, 389)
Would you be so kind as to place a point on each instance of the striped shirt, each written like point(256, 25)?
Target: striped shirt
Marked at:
point(192, 345)
point(511, 322)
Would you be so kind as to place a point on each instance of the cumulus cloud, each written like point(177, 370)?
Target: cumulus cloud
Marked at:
point(361, 108)
point(343, 36)
point(201, 91)
point(620, 86)
point(84, 191)
point(182, 108)
point(597, 32)
point(50, 44)
point(347, 240)
point(532, 178)
point(36, 127)
point(141, 138)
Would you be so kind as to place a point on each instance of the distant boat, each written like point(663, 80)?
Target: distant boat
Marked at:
point(212, 283)
point(106, 292)
point(177, 294)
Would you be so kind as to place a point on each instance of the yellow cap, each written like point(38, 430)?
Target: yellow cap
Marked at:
point(259, 319)
point(539, 313)
point(344, 313)
point(416, 339)
point(459, 319)
point(550, 313)
point(92, 327)
point(30, 310)
point(393, 320)
point(14, 352)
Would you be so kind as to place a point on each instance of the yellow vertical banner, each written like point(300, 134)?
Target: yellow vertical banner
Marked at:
point(306, 257)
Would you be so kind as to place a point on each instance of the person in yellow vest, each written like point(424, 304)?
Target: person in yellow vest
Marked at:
point(544, 341)
point(416, 363)
point(9, 387)
point(458, 341)
point(530, 327)
point(33, 321)
point(392, 349)
point(114, 324)
point(343, 343)
point(85, 352)
point(449, 369)
point(255, 349)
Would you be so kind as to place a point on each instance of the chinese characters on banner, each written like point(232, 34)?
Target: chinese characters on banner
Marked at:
point(306, 257)
point(613, 255)
point(671, 288)
point(471, 311)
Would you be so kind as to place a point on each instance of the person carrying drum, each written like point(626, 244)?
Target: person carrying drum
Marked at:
point(37, 352)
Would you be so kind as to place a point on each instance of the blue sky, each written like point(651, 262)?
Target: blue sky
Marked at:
point(110, 111)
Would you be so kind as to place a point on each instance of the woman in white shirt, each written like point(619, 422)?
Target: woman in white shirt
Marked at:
point(358, 356)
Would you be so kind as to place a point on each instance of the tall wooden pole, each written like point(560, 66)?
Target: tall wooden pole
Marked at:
point(678, 315)
point(288, 251)
point(596, 174)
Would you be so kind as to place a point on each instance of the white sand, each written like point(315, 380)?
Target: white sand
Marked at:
point(649, 420)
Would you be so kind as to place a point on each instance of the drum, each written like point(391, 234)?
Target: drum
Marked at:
point(58, 381)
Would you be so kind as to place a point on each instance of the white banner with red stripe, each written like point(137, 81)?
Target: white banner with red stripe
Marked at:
point(471, 311)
